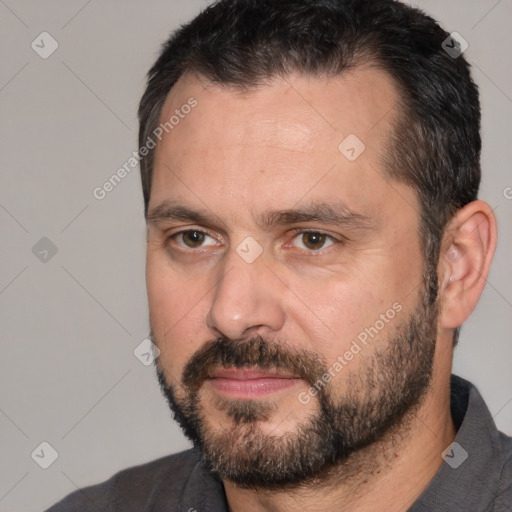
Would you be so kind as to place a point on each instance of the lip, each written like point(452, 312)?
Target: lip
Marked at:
point(249, 383)
point(247, 374)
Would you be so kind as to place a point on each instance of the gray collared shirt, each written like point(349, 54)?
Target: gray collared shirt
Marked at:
point(475, 477)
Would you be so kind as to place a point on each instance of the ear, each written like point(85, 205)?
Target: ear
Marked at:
point(469, 243)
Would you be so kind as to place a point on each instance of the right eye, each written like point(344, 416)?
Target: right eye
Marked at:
point(191, 239)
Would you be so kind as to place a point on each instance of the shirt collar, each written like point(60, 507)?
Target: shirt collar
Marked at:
point(203, 491)
point(466, 483)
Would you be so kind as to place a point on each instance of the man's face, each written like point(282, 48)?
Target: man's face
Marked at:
point(290, 312)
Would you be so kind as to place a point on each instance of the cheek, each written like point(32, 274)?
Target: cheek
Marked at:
point(335, 315)
point(353, 311)
point(176, 314)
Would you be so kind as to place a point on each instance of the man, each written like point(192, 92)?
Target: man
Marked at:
point(310, 174)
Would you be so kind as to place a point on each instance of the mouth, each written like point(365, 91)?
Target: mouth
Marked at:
point(247, 383)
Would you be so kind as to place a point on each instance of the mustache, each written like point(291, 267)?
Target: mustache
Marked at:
point(256, 351)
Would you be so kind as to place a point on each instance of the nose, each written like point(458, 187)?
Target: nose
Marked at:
point(247, 300)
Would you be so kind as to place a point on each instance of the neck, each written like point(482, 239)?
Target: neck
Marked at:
point(387, 475)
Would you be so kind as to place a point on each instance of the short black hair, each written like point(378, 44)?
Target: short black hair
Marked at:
point(435, 145)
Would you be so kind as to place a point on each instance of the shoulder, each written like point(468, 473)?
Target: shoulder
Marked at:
point(504, 497)
point(131, 488)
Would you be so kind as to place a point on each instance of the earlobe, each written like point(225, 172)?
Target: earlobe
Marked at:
point(468, 248)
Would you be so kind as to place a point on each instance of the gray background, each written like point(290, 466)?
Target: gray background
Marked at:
point(68, 375)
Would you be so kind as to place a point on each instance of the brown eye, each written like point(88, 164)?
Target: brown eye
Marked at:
point(313, 240)
point(192, 238)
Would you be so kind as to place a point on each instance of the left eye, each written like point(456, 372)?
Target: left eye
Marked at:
point(313, 240)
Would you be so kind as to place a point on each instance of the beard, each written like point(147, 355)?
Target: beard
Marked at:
point(389, 383)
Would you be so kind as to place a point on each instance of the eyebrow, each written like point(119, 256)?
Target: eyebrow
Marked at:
point(336, 213)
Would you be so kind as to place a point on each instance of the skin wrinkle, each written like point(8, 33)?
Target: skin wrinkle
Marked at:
point(336, 214)
point(286, 135)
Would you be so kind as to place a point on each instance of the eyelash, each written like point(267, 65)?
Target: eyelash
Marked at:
point(295, 233)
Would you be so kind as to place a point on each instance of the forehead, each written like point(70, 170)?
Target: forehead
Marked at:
point(277, 142)
point(295, 104)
